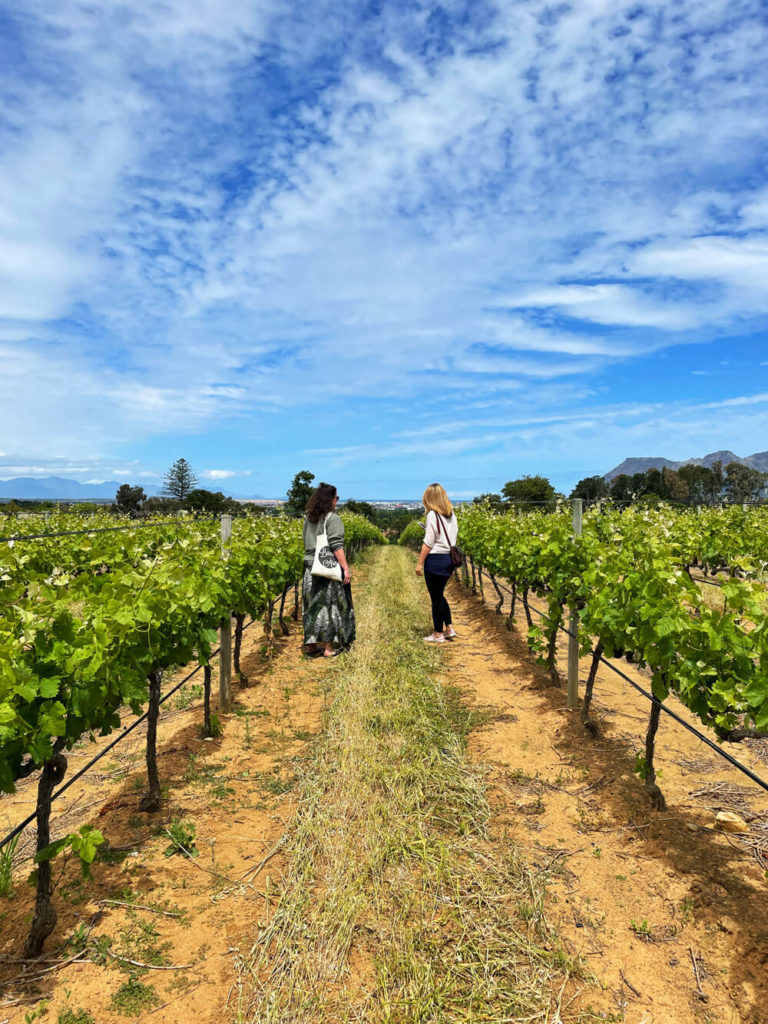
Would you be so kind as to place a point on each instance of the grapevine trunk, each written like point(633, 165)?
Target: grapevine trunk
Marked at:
point(528, 616)
point(553, 626)
point(511, 616)
point(152, 798)
point(500, 605)
point(588, 722)
point(657, 797)
point(44, 919)
point(239, 619)
point(206, 701)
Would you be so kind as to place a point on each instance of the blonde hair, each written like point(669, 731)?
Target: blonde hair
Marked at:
point(434, 499)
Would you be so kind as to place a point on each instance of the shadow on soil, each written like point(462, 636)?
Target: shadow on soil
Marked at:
point(716, 871)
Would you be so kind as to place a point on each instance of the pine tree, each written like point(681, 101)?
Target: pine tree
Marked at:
point(179, 480)
point(299, 493)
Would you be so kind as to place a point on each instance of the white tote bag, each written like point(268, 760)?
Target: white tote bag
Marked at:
point(325, 562)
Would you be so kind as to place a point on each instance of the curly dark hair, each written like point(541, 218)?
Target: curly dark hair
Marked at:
point(321, 502)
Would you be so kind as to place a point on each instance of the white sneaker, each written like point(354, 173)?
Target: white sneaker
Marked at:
point(433, 638)
point(450, 634)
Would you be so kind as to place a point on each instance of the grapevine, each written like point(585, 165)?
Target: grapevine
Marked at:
point(628, 576)
point(89, 623)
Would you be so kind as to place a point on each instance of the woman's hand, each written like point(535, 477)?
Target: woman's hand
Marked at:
point(419, 569)
point(346, 577)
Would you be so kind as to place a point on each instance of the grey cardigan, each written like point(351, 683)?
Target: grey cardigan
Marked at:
point(335, 535)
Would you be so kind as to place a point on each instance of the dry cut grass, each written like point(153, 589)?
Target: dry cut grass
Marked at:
point(396, 907)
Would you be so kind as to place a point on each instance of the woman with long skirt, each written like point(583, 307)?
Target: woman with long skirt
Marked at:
point(329, 618)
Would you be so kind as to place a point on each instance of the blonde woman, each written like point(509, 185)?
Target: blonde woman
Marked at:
point(435, 559)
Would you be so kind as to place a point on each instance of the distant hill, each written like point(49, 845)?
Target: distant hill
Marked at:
point(55, 488)
point(641, 465)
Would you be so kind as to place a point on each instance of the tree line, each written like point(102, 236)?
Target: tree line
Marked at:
point(179, 491)
point(691, 484)
point(695, 485)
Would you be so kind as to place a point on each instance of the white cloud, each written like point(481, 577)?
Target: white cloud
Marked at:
point(187, 240)
point(223, 474)
point(754, 212)
point(611, 304)
point(741, 263)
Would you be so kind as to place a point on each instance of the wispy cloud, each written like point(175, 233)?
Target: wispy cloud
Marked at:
point(223, 474)
point(219, 218)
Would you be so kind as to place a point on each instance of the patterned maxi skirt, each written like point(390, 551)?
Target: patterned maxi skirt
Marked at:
point(329, 617)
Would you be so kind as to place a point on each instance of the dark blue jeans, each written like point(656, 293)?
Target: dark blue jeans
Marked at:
point(437, 572)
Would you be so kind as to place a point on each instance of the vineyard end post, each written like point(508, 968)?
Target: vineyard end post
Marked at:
point(573, 624)
point(225, 653)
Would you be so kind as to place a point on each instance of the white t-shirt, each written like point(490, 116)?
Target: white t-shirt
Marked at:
point(434, 536)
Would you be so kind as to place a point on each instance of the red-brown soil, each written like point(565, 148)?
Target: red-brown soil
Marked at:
point(638, 893)
point(237, 793)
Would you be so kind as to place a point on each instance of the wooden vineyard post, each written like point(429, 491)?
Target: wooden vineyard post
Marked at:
point(225, 652)
point(573, 621)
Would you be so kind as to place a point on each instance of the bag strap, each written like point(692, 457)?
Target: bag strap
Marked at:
point(441, 523)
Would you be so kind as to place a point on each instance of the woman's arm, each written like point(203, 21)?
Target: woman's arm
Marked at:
point(425, 549)
point(341, 558)
point(336, 542)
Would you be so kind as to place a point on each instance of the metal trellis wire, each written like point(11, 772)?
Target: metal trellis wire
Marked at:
point(654, 700)
point(118, 739)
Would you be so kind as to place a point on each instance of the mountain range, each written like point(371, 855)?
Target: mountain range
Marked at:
point(56, 488)
point(757, 461)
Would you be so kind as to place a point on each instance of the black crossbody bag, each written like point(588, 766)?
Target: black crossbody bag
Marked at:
point(457, 557)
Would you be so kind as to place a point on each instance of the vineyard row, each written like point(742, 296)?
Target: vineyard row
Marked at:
point(627, 582)
point(89, 624)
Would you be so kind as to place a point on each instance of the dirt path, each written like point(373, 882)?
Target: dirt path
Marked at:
point(397, 905)
point(640, 894)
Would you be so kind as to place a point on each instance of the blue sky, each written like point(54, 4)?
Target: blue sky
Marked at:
point(386, 242)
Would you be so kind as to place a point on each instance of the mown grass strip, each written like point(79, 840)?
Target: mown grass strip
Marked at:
point(396, 906)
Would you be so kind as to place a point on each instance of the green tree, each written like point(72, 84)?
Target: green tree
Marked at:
point(490, 499)
point(698, 480)
point(650, 482)
point(214, 502)
point(591, 488)
point(363, 508)
point(716, 482)
point(622, 488)
point(179, 480)
point(299, 493)
point(742, 483)
point(128, 499)
point(392, 521)
point(675, 486)
point(529, 489)
point(157, 504)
